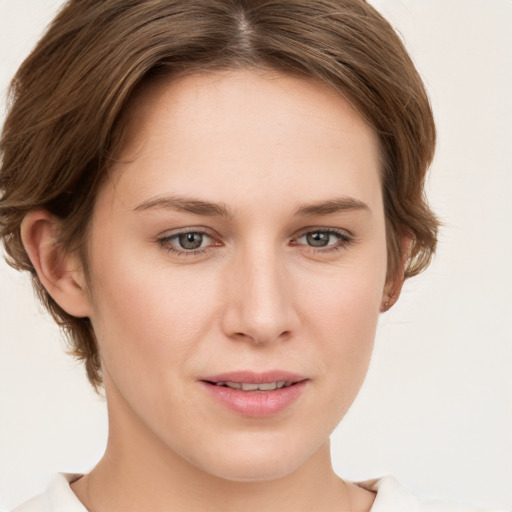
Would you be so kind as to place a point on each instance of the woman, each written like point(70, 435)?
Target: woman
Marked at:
point(216, 201)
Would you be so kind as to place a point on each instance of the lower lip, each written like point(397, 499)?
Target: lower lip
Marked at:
point(256, 404)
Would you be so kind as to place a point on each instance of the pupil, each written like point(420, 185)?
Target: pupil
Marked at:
point(318, 239)
point(191, 240)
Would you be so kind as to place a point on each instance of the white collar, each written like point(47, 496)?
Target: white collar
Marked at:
point(391, 497)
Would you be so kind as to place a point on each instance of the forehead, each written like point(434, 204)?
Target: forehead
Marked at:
point(247, 128)
point(245, 97)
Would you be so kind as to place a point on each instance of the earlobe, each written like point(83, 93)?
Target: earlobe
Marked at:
point(61, 274)
point(394, 284)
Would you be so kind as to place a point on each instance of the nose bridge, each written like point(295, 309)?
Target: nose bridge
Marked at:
point(259, 304)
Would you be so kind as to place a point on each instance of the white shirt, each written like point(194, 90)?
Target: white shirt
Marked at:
point(391, 497)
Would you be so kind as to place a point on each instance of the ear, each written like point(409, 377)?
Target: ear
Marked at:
point(61, 274)
point(393, 286)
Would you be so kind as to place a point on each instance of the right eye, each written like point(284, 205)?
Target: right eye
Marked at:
point(186, 243)
point(190, 241)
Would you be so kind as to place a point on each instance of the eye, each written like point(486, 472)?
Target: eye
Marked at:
point(190, 241)
point(324, 239)
point(185, 243)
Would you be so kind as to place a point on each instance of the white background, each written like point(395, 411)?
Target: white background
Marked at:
point(436, 410)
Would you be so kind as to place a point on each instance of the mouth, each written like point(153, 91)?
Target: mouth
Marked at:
point(255, 395)
point(254, 381)
point(251, 386)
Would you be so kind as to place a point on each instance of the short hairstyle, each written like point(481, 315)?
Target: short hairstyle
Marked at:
point(69, 98)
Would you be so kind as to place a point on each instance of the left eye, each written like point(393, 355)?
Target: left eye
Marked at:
point(322, 238)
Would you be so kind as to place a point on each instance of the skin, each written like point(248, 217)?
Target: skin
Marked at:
point(254, 296)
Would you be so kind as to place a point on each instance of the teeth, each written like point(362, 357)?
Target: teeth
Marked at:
point(250, 387)
point(246, 386)
point(268, 387)
point(234, 385)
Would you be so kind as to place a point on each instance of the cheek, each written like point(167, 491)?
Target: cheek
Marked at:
point(344, 300)
point(340, 315)
point(148, 317)
point(347, 325)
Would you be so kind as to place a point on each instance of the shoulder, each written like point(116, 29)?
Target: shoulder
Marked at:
point(58, 497)
point(392, 497)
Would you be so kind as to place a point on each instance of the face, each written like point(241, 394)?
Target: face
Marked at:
point(237, 266)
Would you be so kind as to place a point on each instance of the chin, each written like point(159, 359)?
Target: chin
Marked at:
point(258, 461)
point(254, 470)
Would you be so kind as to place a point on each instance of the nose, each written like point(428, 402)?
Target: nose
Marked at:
point(259, 298)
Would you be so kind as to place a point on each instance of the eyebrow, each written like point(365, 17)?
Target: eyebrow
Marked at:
point(187, 205)
point(209, 209)
point(331, 206)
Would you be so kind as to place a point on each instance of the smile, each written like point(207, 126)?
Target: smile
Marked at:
point(246, 386)
point(255, 395)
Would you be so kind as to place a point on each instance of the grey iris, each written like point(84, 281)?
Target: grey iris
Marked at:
point(318, 239)
point(190, 240)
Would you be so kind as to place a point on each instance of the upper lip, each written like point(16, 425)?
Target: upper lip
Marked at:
point(255, 377)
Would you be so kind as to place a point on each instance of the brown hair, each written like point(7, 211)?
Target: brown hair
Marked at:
point(67, 99)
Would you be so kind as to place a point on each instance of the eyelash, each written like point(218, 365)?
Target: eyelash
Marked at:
point(165, 243)
point(344, 241)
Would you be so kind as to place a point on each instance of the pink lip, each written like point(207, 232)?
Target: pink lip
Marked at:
point(255, 404)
